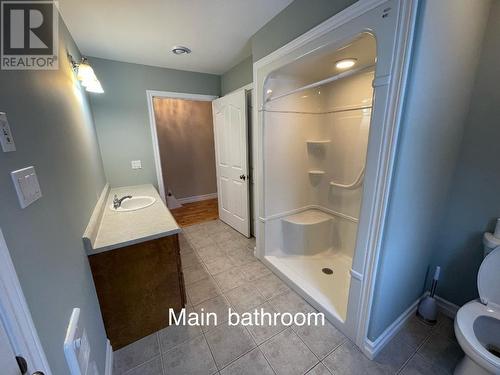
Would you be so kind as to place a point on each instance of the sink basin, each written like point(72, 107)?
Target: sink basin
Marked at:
point(135, 203)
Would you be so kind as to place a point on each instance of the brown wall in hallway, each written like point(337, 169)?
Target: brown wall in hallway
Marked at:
point(186, 142)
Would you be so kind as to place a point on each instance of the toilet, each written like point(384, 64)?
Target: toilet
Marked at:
point(477, 324)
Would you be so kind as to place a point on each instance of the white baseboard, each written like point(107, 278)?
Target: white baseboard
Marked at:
point(446, 307)
point(372, 348)
point(197, 198)
point(109, 359)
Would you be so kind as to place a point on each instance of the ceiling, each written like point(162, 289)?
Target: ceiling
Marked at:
point(143, 32)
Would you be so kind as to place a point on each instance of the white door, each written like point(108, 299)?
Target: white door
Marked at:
point(18, 336)
point(231, 152)
point(8, 362)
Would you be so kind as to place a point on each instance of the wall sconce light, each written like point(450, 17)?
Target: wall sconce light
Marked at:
point(85, 74)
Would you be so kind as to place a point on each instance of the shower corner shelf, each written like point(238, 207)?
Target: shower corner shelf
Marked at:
point(318, 142)
point(316, 172)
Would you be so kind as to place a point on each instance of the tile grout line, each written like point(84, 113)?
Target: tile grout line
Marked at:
point(307, 346)
point(140, 364)
point(424, 341)
point(266, 300)
point(229, 302)
point(161, 352)
point(265, 358)
point(211, 353)
point(257, 346)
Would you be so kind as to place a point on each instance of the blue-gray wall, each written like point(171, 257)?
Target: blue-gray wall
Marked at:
point(474, 203)
point(297, 18)
point(238, 76)
point(53, 130)
point(121, 114)
point(447, 48)
point(293, 21)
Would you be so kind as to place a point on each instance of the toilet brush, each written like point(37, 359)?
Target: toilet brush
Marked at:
point(427, 308)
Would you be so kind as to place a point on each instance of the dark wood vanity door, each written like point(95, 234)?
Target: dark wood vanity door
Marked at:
point(136, 285)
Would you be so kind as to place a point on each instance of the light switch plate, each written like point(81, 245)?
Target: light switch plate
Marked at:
point(136, 164)
point(5, 134)
point(77, 347)
point(26, 185)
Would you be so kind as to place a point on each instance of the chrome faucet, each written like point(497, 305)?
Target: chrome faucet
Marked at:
point(117, 202)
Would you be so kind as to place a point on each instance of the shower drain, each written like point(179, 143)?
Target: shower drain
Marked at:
point(327, 270)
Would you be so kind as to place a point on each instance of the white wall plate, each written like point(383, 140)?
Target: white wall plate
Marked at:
point(26, 184)
point(5, 134)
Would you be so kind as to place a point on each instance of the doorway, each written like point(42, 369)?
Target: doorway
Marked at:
point(197, 141)
point(183, 138)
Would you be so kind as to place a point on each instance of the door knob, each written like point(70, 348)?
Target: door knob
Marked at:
point(23, 365)
point(243, 177)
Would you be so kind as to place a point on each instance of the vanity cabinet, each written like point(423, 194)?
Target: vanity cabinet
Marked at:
point(136, 286)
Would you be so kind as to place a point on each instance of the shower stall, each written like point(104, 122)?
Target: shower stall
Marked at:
point(318, 137)
point(325, 138)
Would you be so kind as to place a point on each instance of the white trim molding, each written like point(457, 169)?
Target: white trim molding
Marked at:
point(446, 307)
point(372, 348)
point(90, 234)
point(247, 87)
point(305, 208)
point(197, 198)
point(339, 19)
point(383, 179)
point(108, 370)
point(150, 94)
point(14, 310)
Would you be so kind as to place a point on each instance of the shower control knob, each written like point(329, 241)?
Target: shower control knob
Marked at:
point(243, 177)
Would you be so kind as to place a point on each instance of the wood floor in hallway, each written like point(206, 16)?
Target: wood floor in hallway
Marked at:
point(196, 212)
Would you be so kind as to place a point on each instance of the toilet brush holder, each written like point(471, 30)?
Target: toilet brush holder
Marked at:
point(427, 308)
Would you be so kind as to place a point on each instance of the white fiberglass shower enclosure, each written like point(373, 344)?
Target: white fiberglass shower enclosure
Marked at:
point(328, 108)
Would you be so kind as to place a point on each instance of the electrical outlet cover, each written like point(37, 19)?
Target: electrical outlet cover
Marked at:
point(5, 134)
point(136, 164)
point(76, 346)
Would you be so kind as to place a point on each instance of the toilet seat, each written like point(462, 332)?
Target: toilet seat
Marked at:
point(464, 330)
point(488, 278)
point(488, 284)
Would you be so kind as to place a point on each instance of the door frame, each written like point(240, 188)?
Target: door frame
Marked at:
point(16, 315)
point(150, 94)
point(388, 151)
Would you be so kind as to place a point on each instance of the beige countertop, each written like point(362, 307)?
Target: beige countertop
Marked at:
point(109, 229)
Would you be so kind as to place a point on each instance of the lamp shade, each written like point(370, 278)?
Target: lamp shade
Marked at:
point(94, 86)
point(85, 73)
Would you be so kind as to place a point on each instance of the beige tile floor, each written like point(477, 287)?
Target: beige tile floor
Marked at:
point(220, 272)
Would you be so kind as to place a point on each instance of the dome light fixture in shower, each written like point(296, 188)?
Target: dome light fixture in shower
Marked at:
point(180, 50)
point(345, 63)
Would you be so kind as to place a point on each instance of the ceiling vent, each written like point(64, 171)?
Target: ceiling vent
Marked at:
point(180, 50)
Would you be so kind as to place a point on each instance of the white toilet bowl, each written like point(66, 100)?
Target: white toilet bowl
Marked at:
point(477, 324)
point(477, 328)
